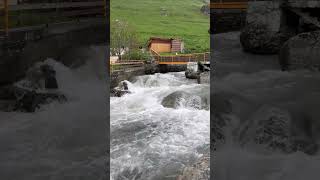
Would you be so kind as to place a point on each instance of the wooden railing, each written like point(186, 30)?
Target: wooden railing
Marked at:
point(183, 58)
point(123, 65)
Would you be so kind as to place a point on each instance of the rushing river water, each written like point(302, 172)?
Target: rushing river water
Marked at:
point(60, 140)
point(266, 121)
point(150, 141)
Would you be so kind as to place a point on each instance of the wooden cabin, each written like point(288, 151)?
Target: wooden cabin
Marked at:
point(165, 45)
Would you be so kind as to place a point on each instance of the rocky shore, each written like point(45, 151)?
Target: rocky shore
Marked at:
point(198, 171)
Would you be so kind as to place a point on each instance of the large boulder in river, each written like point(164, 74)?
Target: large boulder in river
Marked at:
point(262, 33)
point(301, 51)
point(175, 99)
point(183, 99)
point(190, 74)
point(269, 127)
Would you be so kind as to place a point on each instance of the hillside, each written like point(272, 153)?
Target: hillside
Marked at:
point(166, 18)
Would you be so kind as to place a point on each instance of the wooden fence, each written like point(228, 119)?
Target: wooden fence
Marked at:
point(126, 65)
point(183, 58)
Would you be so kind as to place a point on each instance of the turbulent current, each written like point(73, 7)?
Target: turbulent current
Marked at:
point(150, 141)
point(265, 122)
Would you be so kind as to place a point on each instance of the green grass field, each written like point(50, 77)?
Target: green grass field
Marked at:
point(165, 18)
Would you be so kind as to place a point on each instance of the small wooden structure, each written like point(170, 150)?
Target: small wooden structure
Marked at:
point(165, 45)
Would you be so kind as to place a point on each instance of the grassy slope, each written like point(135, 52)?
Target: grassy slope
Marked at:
point(184, 20)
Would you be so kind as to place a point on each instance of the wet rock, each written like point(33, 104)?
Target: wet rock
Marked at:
point(257, 39)
point(305, 145)
point(183, 99)
point(261, 33)
point(301, 51)
point(270, 127)
point(121, 89)
point(119, 93)
point(190, 74)
point(29, 100)
point(199, 171)
point(202, 67)
point(39, 87)
point(175, 99)
point(204, 78)
point(50, 77)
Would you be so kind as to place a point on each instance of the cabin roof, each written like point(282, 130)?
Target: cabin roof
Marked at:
point(160, 39)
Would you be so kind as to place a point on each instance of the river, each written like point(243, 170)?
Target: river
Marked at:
point(60, 140)
point(153, 142)
point(268, 119)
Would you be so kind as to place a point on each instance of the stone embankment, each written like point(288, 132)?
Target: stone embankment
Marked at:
point(148, 68)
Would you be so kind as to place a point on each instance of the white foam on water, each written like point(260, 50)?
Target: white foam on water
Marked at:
point(156, 141)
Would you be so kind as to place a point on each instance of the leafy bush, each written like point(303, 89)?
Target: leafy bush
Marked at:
point(137, 55)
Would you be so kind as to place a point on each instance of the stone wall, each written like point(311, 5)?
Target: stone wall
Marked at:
point(117, 77)
point(54, 41)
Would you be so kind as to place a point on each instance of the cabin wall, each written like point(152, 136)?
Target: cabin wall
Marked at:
point(161, 47)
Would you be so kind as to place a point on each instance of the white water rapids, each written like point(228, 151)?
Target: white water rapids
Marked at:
point(64, 141)
point(149, 141)
point(259, 92)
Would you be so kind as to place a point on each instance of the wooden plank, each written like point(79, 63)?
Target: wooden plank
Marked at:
point(229, 5)
point(38, 6)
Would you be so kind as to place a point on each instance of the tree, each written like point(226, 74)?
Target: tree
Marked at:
point(122, 38)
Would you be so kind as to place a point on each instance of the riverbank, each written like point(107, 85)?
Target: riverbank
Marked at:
point(148, 68)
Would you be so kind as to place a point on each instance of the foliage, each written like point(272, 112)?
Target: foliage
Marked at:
point(137, 55)
point(122, 37)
